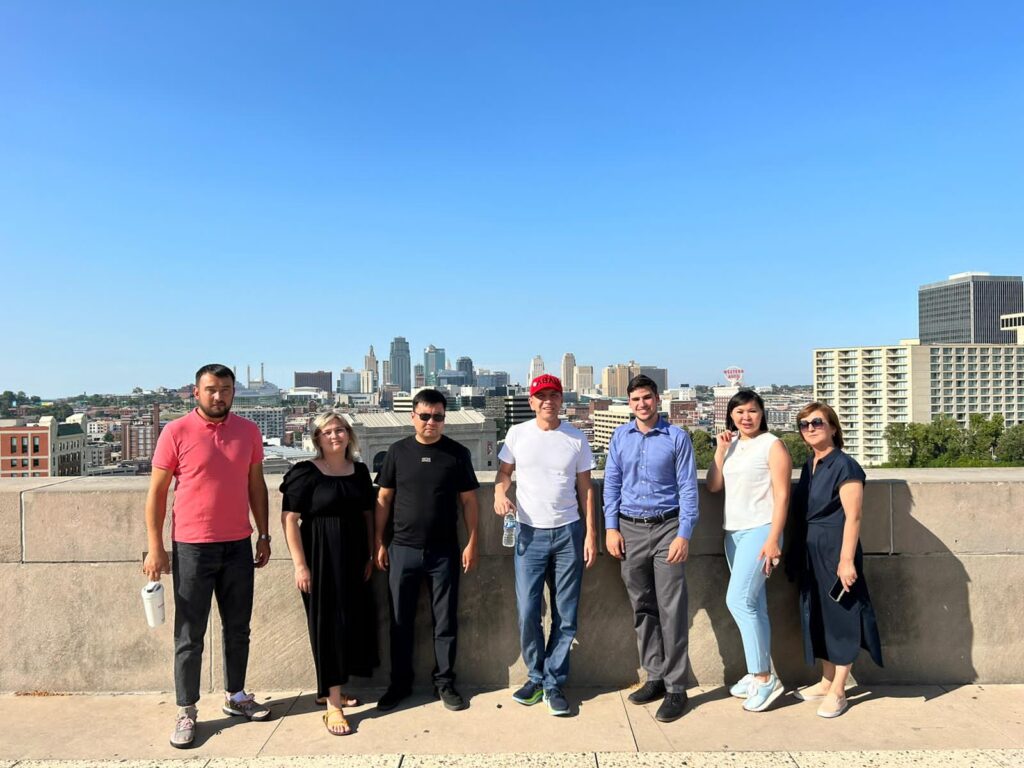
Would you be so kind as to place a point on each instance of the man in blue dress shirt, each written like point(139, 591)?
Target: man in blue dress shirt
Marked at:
point(650, 510)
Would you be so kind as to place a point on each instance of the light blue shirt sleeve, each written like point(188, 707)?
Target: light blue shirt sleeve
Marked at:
point(612, 485)
point(686, 482)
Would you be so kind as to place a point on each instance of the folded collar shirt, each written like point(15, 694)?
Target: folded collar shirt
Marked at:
point(650, 474)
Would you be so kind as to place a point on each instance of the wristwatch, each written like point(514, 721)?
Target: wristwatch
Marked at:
point(264, 537)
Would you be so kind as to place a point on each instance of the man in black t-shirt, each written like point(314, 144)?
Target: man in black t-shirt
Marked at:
point(423, 478)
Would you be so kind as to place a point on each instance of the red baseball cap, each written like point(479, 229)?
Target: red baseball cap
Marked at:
point(545, 381)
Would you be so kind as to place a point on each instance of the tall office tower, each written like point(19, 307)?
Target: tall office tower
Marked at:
point(465, 364)
point(370, 364)
point(965, 309)
point(367, 381)
point(385, 372)
point(433, 364)
point(615, 378)
point(658, 375)
point(568, 366)
point(582, 378)
point(419, 378)
point(401, 364)
point(348, 380)
point(536, 368)
point(319, 379)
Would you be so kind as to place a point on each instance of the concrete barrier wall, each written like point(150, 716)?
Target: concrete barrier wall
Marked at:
point(944, 561)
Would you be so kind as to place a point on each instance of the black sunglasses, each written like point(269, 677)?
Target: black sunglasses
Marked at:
point(816, 422)
point(429, 416)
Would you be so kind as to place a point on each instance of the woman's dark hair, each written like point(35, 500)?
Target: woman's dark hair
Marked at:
point(743, 397)
point(430, 397)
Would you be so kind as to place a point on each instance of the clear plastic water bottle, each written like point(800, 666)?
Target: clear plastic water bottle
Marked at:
point(508, 534)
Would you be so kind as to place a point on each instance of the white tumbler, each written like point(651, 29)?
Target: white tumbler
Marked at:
point(153, 602)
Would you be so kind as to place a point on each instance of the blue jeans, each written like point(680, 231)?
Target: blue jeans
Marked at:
point(747, 598)
point(554, 556)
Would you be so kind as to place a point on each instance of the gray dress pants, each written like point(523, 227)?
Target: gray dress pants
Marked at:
point(657, 592)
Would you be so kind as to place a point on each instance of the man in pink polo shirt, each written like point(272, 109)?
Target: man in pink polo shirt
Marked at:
point(216, 459)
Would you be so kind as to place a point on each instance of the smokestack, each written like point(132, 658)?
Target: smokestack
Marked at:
point(262, 380)
point(248, 377)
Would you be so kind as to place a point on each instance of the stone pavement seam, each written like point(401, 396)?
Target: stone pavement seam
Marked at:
point(280, 721)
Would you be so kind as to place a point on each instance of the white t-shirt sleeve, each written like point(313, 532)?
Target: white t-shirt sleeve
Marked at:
point(585, 460)
point(507, 452)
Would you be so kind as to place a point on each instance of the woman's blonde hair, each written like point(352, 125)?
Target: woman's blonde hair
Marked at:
point(325, 418)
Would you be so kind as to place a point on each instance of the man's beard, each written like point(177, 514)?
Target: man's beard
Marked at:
point(224, 410)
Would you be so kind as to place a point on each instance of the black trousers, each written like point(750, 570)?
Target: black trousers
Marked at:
point(408, 567)
point(199, 571)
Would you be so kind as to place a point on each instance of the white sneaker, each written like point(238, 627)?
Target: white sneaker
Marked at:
point(743, 687)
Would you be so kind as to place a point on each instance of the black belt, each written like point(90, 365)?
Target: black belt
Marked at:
point(672, 514)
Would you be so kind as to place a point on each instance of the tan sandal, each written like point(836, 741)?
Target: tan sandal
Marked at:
point(346, 701)
point(335, 718)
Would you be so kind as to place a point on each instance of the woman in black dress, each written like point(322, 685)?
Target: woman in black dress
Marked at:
point(827, 558)
point(327, 515)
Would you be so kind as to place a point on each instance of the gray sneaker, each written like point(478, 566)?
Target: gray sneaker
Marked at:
point(184, 728)
point(246, 706)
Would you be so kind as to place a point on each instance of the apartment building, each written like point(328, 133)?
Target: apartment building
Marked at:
point(871, 387)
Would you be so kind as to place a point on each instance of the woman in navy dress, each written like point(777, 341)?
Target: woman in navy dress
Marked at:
point(827, 554)
point(327, 514)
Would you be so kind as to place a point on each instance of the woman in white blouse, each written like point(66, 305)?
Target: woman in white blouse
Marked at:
point(755, 469)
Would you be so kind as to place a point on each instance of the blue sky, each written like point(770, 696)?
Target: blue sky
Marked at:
point(692, 185)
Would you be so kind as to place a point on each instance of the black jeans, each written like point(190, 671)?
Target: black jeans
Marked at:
point(200, 571)
point(408, 567)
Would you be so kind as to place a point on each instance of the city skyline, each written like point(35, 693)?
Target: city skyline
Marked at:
point(685, 186)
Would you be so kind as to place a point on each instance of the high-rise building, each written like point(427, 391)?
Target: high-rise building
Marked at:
point(536, 368)
point(401, 364)
point(419, 377)
point(722, 397)
point(385, 372)
point(433, 363)
point(270, 420)
point(318, 379)
point(568, 367)
point(465, 364)
point(583, 378)
point(615, 378)
point(517, 410)
point(965, 309)
point(139, 435)
point(872, 387)
point(369, 365)
point(658, 375)
point(491, 379)
point(348, 381)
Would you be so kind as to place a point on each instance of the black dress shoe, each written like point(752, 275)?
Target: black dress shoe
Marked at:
point(450, 697)
point(650, 691)
point(392, 698)
point(671, 708)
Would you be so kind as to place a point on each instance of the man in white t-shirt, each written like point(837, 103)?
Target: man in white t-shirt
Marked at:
point(552, 462)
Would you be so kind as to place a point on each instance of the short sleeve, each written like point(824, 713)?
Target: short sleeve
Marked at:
point(297, 488)
point(585, 459)
point(507, 452)
point(386, 476)
point(166, 454)
point(467, 475)
point(850, 470)
point(257, 446)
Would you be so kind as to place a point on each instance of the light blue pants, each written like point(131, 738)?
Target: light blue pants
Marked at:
point(746, 598)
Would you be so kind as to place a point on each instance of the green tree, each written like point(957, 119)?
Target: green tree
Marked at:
point(797, 448)
point(1010, 449)
point(943, 443)
point(982, 436)
point(703, 448)
point(901, 447)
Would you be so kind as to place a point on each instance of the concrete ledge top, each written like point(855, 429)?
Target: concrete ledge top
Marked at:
point(911, 476)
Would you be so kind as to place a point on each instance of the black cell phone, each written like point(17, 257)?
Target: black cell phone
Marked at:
point(837, 591)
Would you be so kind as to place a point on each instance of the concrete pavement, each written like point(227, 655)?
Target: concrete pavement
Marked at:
point(978, 725)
